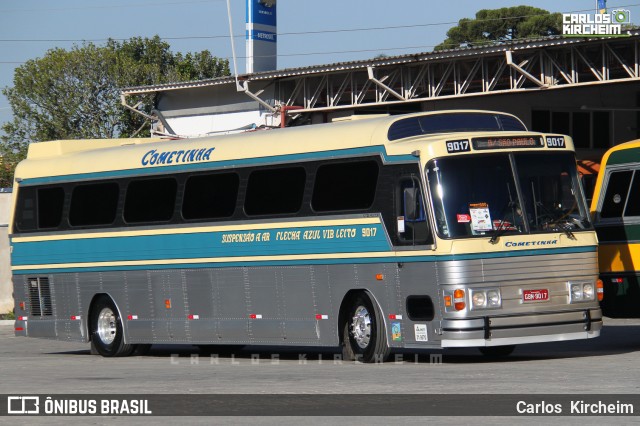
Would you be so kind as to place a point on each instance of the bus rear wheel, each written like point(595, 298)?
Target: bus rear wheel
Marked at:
point(364, 336)
point(107, 334)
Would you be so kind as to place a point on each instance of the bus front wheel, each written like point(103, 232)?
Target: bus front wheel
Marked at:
point(364, 333)
point(106, 329)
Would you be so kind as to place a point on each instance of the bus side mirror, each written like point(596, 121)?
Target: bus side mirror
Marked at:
point(412, 205)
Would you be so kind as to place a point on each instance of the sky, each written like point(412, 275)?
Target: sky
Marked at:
point(310, 32)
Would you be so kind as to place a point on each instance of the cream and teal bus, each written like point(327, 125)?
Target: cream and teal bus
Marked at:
point(616, 214)
point(432, 230)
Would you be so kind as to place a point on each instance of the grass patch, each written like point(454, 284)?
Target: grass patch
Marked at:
point(9, 316)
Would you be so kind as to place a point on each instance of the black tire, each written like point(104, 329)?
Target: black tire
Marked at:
point(107, 335)
point(347, 350)
point(497, 351)
point(364, 337)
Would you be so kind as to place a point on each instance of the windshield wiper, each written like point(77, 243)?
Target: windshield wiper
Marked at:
point(556, 219)
point(501, 229)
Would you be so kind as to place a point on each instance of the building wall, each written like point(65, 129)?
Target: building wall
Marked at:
point(6, 287)
point(217, 109)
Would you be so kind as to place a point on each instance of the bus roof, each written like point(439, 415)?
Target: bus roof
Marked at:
point(627, 152)
point(359, 137)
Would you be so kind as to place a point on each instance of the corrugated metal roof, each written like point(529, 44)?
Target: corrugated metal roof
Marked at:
point(390, 60)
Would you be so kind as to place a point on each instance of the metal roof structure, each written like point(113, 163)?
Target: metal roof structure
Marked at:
point(514, 66)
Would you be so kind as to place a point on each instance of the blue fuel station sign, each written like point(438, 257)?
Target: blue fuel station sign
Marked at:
point(261, 35)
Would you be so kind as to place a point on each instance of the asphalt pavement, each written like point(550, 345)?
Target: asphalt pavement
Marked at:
point(602, 366)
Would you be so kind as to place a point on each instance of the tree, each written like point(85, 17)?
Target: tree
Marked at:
point(499, 25)
point(75, 94)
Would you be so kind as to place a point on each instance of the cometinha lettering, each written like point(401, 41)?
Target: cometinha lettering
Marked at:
point(155, 157)
point(531, 243)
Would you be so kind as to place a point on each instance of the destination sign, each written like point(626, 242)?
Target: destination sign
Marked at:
point(505, 142)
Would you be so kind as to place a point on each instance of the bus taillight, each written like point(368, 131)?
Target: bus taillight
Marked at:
point(458, 299)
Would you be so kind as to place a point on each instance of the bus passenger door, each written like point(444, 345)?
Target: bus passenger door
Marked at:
point(417, 279)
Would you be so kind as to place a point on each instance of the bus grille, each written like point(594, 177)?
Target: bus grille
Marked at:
point(40, 297)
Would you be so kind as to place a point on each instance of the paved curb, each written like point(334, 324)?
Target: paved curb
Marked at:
point(6, 322)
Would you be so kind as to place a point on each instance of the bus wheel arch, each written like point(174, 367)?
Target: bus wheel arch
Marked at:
point(106, 328)
point(362, 328)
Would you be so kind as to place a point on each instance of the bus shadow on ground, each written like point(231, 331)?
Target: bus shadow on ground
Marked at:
point(614, 340)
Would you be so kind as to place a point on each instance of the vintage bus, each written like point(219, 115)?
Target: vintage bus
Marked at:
point(616, 214)
point(431, 230)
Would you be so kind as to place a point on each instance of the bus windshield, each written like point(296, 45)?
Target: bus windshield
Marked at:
point(505, 193)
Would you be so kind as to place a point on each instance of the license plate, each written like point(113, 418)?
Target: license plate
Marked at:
point(535, 295)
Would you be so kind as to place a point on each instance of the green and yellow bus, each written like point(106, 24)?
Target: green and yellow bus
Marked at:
point(616, 214)
point(430, 230)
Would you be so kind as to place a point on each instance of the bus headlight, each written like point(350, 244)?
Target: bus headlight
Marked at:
point(486, 298)
point(587, 292)
point(479, 299)
point(581, 292)
point(493, 298)
point(576, 292)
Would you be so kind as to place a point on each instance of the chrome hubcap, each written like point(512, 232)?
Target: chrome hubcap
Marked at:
point(361, 327)
point(106, 327)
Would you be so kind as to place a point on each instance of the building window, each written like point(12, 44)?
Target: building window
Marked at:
point(589, 129)
point(541, 121)
point(581, 129)
point(601, 129)
point(561, 122)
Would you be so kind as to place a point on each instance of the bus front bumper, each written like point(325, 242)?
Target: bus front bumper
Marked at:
point(516, 330)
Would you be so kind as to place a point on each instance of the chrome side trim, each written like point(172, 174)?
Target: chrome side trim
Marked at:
point(448, 343)
point(583, 316)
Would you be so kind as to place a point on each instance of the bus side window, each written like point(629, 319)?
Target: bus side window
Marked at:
point(26, 211)
point(633, 202)
point(50, 206)
point(413, 227)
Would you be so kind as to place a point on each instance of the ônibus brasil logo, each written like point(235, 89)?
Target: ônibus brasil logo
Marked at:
point(595, 24)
